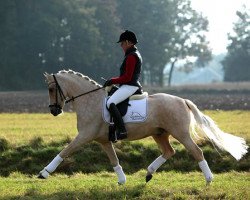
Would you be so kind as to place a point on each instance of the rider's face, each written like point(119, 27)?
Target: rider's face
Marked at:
point(126, 45)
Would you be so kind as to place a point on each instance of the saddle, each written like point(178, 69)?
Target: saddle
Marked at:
point(123, 109)
point(123, 106)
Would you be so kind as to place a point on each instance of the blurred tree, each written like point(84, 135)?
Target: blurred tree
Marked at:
point(151, 21)
point(189, 39)
point(26, 29)
point(237, 62)
point(167, 31)
point(109, 53)
point(49, 35)
point(7, 41)
point(78, 37)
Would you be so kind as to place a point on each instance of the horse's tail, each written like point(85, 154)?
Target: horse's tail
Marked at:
point(207, 128)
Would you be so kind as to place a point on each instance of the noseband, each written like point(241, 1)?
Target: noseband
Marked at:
point(62, 96)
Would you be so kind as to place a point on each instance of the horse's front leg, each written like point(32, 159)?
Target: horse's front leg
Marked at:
point(71, 148)
point(110, 151)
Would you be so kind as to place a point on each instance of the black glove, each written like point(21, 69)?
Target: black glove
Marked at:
point(108, 83)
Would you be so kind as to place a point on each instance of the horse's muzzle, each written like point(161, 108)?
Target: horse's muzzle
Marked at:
point(55, 109)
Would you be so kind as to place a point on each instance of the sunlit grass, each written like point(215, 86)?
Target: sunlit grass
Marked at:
point(235, 122)
point(164, 185)
point(20, 129)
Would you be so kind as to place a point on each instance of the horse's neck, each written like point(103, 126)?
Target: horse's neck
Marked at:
point(88, 105)
point(75, 87)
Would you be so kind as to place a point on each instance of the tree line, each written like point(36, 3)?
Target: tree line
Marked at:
point(50, 35)
point(237, 62)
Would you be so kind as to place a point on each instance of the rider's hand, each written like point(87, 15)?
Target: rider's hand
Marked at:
point(108, 83)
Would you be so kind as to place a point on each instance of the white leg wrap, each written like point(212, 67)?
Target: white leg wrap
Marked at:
point(156, 164)
point(54, 164)
point(206, 170)
point(121, 176)
point(44, 173)
point(51, 167)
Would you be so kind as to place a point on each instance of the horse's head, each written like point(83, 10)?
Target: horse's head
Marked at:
point(56, 93)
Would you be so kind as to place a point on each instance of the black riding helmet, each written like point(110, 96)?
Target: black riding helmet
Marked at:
point(128, 35)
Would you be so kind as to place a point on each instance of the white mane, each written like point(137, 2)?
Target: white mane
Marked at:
point(78, 74)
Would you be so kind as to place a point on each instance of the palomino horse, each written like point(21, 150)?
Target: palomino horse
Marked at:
point(167, 115)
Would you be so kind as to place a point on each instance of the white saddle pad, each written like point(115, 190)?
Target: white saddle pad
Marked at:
point(137, 111)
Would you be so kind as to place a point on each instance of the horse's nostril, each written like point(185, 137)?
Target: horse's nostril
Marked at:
point(55, 110)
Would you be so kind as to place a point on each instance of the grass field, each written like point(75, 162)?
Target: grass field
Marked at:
point(29, 141)
point(20, 129)
point(166, 185)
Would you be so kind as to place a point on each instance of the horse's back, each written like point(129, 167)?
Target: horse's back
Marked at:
point(166, 99)
point(168, 109)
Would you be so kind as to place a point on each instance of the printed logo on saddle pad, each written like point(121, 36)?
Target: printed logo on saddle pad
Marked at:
point(137, 111)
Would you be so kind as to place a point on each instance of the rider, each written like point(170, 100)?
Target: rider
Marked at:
point(128, 80)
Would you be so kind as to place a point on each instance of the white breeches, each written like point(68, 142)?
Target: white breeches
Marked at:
point(121, 94)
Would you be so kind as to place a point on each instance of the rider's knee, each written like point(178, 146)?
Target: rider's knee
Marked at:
point(109, 103)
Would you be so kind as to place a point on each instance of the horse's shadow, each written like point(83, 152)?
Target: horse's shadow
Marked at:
point(134, 156)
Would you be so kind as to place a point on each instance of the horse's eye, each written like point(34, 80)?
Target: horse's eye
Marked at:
point(51, 90)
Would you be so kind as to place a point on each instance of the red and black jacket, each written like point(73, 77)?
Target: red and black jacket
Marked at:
point(130, 70)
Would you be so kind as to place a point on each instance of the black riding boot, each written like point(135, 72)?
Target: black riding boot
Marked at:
point(122, 132)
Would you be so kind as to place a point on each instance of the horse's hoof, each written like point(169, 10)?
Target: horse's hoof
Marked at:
point(149, 177)
point(40, 176)
point(121, 183)
point(122, 136)
point(43, 174)
point(208, 183)
point(122, 180)
point(209, 180)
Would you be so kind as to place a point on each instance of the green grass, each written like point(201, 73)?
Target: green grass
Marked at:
point(164, 185)
point(29, 141)
point(20, 129)
point(235, 122)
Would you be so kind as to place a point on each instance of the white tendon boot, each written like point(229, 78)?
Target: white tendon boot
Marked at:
point(206, 171)
point(154, 166)
point(121, 176)
point(50, 167)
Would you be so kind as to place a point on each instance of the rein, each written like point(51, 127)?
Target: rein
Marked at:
point(72, 98)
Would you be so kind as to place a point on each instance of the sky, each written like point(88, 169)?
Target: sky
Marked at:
point(221, 15)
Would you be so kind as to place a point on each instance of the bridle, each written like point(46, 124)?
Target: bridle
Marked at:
point(63, 97)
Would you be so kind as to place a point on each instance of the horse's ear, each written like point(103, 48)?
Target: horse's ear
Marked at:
point(45, 74)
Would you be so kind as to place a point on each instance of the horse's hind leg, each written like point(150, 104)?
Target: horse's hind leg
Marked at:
point(167, 152)
point(197, 153)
